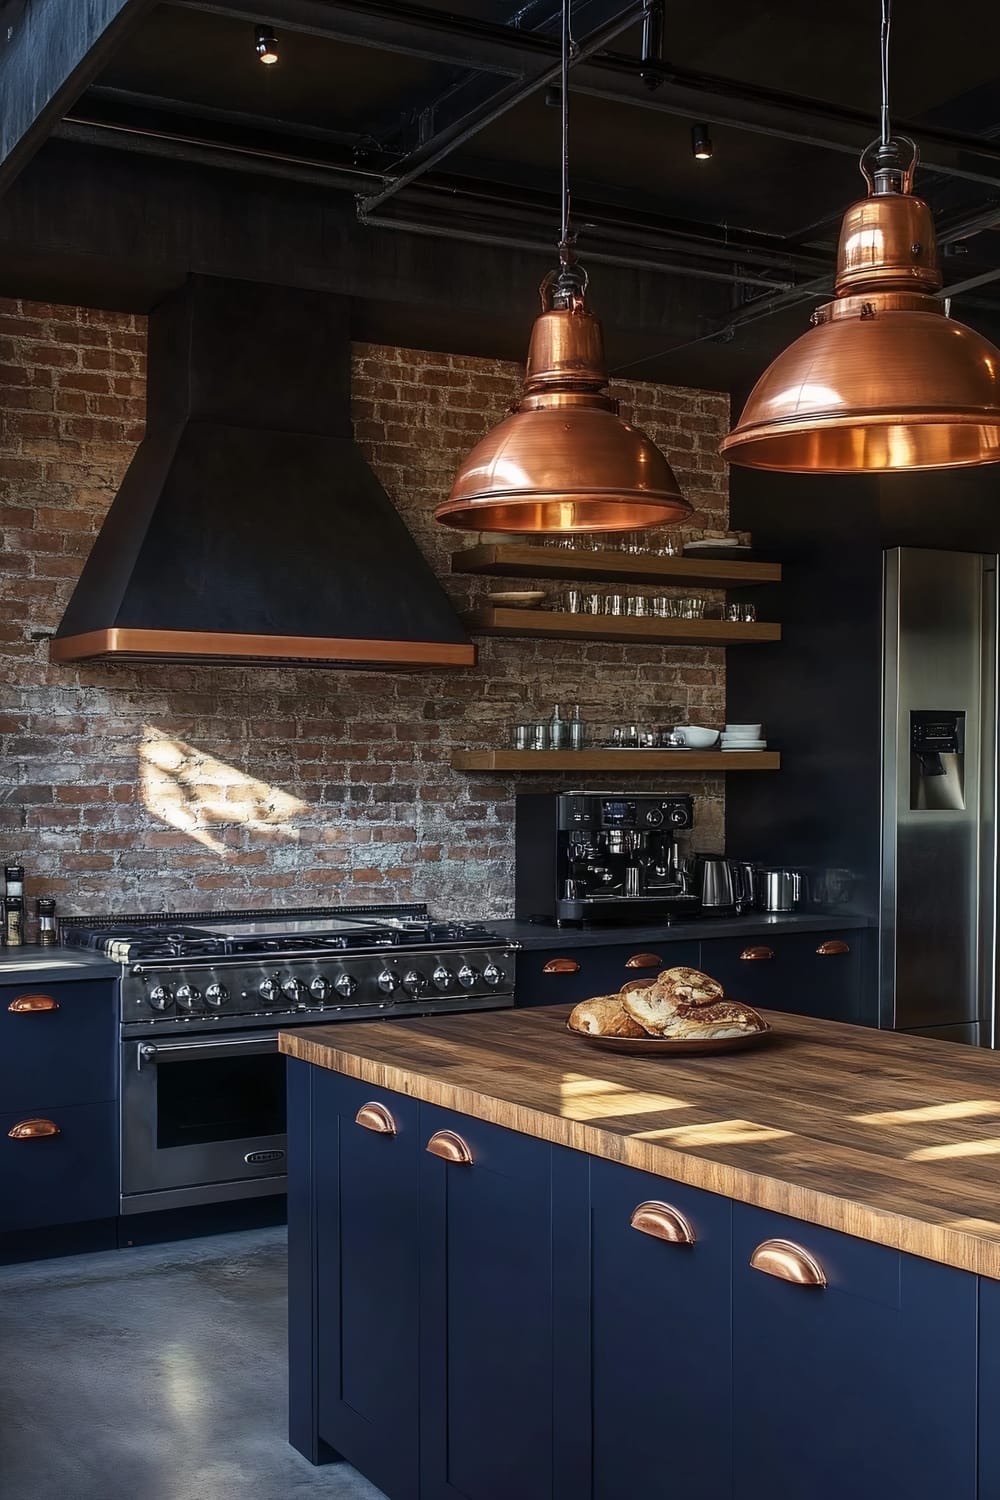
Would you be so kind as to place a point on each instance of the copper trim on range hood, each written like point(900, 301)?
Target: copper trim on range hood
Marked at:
point(191, 645)
point(249, 525)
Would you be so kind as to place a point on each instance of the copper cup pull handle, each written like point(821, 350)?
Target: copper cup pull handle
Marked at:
point(757, 953)
point(450, 1147)
point(834, 946)
point(561, 966)
point(33, 1130)
point(375, 1117)
point(663, 1222)
point(644, 961)
point(789, 1262)
point(22, 1004)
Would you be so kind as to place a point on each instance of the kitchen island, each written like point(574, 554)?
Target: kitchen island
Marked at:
point(525, 1267)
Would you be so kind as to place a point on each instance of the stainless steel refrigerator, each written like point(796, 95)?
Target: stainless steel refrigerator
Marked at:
point(938, 955)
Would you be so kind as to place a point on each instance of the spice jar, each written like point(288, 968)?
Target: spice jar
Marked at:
point(45, 910)
point(14, 880)
point(13, 921)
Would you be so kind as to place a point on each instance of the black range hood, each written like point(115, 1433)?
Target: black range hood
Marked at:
point(249, 526)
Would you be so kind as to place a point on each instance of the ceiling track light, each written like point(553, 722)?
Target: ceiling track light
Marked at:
point(885, 379)
point(701, 143)
point(267, 45)
point(564, 461)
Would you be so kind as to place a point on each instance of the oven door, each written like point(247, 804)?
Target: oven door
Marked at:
point(203, 1120)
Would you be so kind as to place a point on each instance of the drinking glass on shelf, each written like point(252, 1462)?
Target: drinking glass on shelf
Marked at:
point(668, 547)
point(592, 604)
point(692, 608)
point(636, 605)
point(522, 736)
point(746, 613)
point(539, 736)
point(572, 601)
point(614, 604)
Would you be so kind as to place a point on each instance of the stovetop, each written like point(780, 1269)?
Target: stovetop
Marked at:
point(184, 971)
point(305, 933)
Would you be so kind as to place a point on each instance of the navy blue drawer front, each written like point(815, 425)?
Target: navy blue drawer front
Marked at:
point(660, 1337)
point(59, 1178)
point(833, 1392)
point(807, 973)
point(562, 976)
point(58, 1043)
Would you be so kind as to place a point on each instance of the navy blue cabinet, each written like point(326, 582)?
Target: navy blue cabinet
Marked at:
point(865, 1387)
point(58, 1166)
point(660, 1335)
point(807, 973)
point(58, 1077)
point(564, 975)
point(486, 1382)
point(58, 1043)
point(989, 1390)
point(366, 1221)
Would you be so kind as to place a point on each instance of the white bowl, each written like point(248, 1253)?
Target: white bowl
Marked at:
point(695, 737)
point(744, 731)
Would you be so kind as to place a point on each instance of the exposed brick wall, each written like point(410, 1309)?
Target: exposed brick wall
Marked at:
point(124, 787)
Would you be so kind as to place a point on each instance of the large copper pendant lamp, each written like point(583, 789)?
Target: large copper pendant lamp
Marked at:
point(564, 460)
point(885, 379)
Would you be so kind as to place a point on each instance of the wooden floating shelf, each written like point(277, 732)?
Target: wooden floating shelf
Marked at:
point(625, 567)
point(553, 623)
point(615, 760)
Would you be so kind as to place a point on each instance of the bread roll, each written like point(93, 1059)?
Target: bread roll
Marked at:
point(689, 985)
point(703, 1022)
point(649, 1008)
point(605, 1015)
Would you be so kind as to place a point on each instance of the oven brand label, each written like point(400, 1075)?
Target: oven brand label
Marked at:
point(253, 1156)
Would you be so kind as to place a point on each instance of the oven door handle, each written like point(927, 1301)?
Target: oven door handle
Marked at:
point(148, 1053)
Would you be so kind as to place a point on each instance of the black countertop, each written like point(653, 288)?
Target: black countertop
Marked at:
point(33, 965)
point(548, 935)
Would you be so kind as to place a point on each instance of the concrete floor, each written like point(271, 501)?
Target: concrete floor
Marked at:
point(153, 1374)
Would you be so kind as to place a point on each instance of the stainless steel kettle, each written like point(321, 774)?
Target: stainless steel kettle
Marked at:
point(779, 890)
point(724, 884)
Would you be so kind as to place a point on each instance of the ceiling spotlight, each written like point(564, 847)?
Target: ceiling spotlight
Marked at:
point(701, 143)
point(267, 45)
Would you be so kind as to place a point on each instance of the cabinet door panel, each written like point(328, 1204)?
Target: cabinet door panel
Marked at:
point(600, 969)
point(58, 1043)
point(486, 1352)
point(661, 1343)
point(796, 976)
point(864, 1388)
point(60, 1178)
point(367, 1300)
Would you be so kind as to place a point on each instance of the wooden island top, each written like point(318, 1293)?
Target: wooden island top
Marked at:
point(892, 1138)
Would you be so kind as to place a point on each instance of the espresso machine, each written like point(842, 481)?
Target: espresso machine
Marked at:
point(601, 856)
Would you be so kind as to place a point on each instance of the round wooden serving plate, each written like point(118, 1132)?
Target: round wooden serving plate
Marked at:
point(665, 1046)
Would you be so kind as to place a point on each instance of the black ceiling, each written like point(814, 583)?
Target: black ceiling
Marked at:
point(360, 88)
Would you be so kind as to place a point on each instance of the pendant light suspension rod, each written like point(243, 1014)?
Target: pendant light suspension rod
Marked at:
point(566, 47)
point(884, 49)
point(448, 140)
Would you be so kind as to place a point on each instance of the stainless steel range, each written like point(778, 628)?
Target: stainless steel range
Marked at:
point(203, 998)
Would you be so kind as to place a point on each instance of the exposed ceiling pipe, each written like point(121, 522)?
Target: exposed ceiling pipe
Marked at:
point(444, 142)
point(466, 41)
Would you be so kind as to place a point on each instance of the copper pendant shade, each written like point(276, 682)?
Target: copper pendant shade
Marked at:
point(564, 460)
point(884, 380)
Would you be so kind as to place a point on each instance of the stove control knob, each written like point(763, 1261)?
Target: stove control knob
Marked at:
point(268, 991)
point(293, 989)
point(679, 817)
point(467, 976)
point(216, 996)
point(319, 988)
point(346, 984)
point(414, 982)
point(388, 981)
point(493, 975)
point(443, 978)
point(188, 998)
point(160, 997)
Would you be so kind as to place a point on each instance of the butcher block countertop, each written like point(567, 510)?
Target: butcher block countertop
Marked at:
point(891, 1138)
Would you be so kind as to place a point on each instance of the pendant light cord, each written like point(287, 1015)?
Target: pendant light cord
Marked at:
point(565, 234)
point(886, 29)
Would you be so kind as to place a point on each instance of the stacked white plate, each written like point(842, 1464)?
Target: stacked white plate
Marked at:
point(743, 737)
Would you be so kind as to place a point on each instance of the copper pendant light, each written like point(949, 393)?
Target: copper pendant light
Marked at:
point(564, 460)
point(885, 379)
